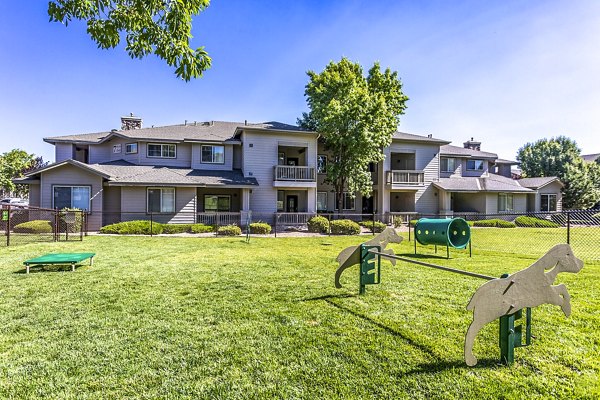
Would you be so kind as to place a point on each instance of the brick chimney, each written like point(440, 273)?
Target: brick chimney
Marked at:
point(473, 145)
point(131, 122)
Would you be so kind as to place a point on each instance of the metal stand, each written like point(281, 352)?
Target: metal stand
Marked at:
point(511, 336)
point(370, 267)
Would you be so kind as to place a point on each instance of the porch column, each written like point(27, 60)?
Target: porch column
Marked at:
point(445, 202)
point(245, 200)
point(311, 201)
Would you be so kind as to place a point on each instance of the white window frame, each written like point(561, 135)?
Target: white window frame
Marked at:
point(548, 196)
point(447, 159)
point(217, 196)
point(326, 203)
point(127, 148)
point(88, 187)
point(347, 197)
point(161, 200)
point(162, 150)
point(212, 146)
point(506, 197)
point(322, 170)
point(475, 160)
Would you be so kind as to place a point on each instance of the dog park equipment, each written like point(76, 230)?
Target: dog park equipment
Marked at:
point(60, 259)
point(500, 298)
point(449, 232)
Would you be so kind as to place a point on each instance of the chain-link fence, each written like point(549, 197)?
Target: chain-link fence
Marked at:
point(23, 224)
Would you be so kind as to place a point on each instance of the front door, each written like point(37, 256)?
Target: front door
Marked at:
point(291, 204)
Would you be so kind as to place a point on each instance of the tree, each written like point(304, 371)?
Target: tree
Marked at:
point(562, 158)
point(160, 27)
point(14, 164)
point(356, 117)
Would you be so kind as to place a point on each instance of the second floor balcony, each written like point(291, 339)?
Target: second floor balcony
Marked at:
point(405, 177)
point(294, 173)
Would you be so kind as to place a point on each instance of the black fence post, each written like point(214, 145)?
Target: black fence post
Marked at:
point(275, 224)
point(373, 224)
point(8, 228)
point(568, 227)
point(329, 224)
point(151, 224)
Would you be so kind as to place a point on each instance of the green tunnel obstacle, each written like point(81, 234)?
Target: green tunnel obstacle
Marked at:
point(449, 232)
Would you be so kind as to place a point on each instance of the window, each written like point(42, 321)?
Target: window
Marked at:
point(213, 154)
point(131, 148)
point(161, 200)
point(71, 197)
point(475, 165)
point(505, 202)
point(321, 201)
point(162, 150)
point(217, 203)
point(448, 164)
point(348, 202)
point(321, 164)
point(548, 202)
point(116, 148)
point(280, 200)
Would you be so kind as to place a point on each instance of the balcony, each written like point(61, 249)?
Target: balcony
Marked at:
point(405, 177)
point(294, 176)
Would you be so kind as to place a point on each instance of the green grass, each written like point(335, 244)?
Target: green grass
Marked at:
point(172, 317)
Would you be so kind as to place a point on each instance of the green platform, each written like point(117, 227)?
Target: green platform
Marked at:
point(60, 258)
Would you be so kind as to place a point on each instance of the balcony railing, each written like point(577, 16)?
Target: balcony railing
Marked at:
point(293, 173)
point(405, 177)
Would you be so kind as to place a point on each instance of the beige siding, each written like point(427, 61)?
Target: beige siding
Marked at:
point(63, 151)
point(197, 163)
point(553, 188)
point(112, 205)
point(133, 205)
point(260, 159)
point(113, 150)
point(237, 157)
point(34, 195)
point(68, 175)
point(491, 203)
point(520, 203)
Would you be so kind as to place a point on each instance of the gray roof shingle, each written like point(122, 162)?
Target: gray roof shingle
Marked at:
point(536, 183)
point(217, 131)
point(409, 137)
point(449, 150)
point(489, 183)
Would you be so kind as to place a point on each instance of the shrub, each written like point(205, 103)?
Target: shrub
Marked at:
point(176, 228)
point(379, 226)
point(397, 222)
point(494, 223)
point(318, 224)
point(35, 226)
point(344, 227)
point(201, 228)
point(140, 227)
point(532, 222)
point(260, 228)
point(229, 230)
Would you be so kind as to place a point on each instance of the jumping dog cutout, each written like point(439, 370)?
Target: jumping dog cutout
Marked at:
point(530, 287)
point(351, 255)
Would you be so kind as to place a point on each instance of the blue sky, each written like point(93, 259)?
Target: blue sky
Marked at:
point(503, 72)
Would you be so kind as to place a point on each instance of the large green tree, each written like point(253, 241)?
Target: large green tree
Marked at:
point(356, 117)
point(562, 158)
point(13, 164)
point(160, 27)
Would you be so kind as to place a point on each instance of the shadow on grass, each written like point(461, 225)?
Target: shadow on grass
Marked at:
point(424, 256)
point(38, 269)
point(330, 296)
point(441, 366)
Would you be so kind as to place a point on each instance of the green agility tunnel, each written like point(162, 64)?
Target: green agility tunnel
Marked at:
point(453, 232)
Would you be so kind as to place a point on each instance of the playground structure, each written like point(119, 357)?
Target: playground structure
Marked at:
point(449, 232)
point(500, 298)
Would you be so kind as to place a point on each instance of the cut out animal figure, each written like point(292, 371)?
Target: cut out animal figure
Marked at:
point(527, 288)
point(351, 255)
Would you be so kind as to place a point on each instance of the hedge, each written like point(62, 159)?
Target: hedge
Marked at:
point(532, 222)
point(318, 224)
point(344, 227)
point(229, 230)
point(35, 226)
point(379, 226)
point(260, 228)
point(201, 228)
point(139, 227)
point(494, 223)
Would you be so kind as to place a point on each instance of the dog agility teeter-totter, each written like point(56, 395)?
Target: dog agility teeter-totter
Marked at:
point(500, 298)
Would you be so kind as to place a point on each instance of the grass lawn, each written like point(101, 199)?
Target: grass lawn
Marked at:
point(173, 317)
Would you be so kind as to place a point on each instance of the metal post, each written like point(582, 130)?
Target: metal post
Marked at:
point(8, 228)
point(151, 223)
point(275, 224)
point(447, 252)
point(373, 222)
point(329, 224)
point(470, 251)
point(409, 232)
point(568, 227)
